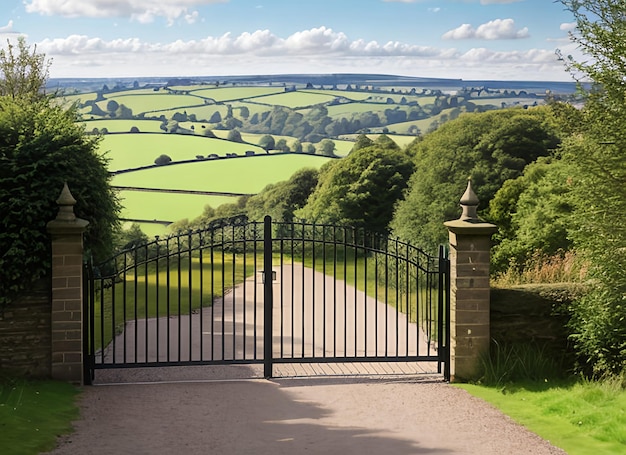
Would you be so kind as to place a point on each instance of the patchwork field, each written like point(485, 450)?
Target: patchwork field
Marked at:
point(141, 123)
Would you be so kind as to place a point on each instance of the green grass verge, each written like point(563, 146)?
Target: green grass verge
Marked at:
point(33, 414)
point(582, 418)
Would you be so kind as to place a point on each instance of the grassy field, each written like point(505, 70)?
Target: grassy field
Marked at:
point(295, 100)
point(582, 418)
point(157, 101)
point(123, 125)
point(128, 151)
point(221, 94)
point(245, 174)
point(33, 414)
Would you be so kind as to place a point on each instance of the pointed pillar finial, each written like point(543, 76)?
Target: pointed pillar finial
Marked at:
point(66, 204)
point(469, 203)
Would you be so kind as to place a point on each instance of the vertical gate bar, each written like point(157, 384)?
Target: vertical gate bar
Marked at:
point(268, 306)
point(113, 279)
point(418, 300)
point(201, 285)
point(407, 290)
point(446, 314)
point(234, 287)
point(255, 251)
point(282, 311)
point(386, 297)
point(324, 291)
point(356, 288)
point(303, 286)
point(102, 320)
point(212, 257)
point(179, 295)
point(124, 306)
point(223, 293)
point(135, 297)
point(376, 245)
point(397, 278)
point(440, 274)
point(158, 291)
point(190, 249)
point(334, 291)
point(313, 254)
point(365, 257)
point(168, 301)
point(146, 300)
point(244, 247)
point(293, 232)
point(345, 293)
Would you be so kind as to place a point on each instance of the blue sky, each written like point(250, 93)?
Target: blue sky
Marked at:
point(468, 39)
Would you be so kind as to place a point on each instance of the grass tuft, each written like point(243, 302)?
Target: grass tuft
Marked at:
point(33, 414)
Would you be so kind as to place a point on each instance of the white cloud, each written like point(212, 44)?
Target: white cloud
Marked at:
point(263, 52)
point(143, 11)
point(434, 10)
point(497, 29)
point(498, 2)
point(7, 28)
point(567, 26)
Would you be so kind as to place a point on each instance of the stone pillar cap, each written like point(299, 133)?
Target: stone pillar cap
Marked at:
point(469, 219)
point(66, 218)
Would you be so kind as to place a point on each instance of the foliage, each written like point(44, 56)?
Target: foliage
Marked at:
point(361, 189)
point(41, 147)
point(281, 200)
point(489, 147)
point(583, 417)
point(23, 74)
point(532, 214)
point(162, 160)
point(596, 152)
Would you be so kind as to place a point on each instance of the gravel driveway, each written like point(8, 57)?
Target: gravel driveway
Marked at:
point(294, 416)
point(230, 410)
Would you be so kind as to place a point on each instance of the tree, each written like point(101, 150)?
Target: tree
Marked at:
point(234, 136)
point(267, 142)
point(112, 106)
point(41, 147)
point(24, 72)
point(361, 189)
point(490, 148)
point(162, 160)
point(326, 147)
point(596, 152)
point(281, 145)
point(282, 199)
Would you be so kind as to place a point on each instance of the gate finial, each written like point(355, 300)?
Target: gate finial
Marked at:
point(469, 203)
point(66, 204)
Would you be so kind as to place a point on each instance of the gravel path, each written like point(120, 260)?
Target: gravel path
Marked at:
point(229, 410)
point(294, 416)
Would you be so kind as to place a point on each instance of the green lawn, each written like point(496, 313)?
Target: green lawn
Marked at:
point(33, 414)
point(239, 175)
point(583, 418)
point(127, 151)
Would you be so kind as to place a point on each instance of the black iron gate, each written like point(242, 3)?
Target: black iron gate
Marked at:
point(245, 292)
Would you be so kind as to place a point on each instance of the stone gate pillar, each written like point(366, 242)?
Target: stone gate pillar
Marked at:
point(67, 290)
point(470, 244)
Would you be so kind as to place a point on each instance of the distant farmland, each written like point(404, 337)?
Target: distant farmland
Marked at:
point(210, 132)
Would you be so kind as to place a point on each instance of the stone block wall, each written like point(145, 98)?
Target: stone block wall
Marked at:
point(25, 336)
